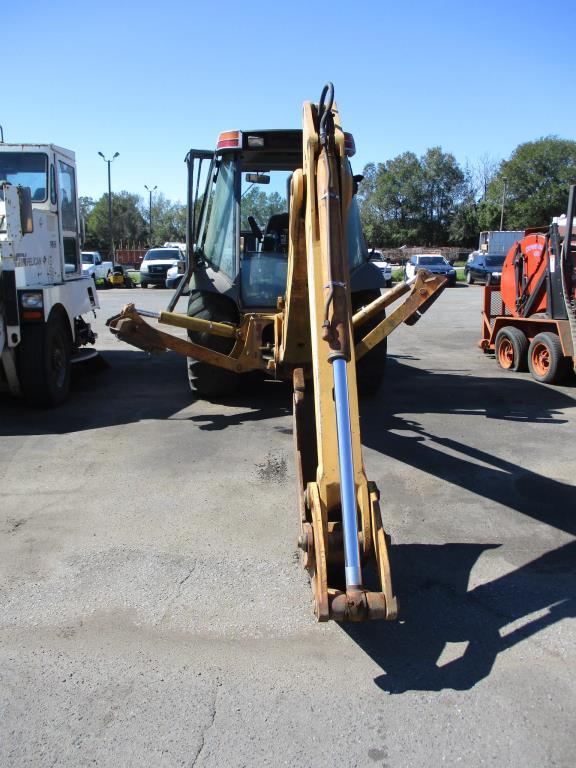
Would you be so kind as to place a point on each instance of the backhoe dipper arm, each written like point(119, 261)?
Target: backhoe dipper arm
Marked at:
point(340, 515)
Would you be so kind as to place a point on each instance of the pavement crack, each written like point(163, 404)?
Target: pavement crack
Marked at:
point(172, 599)
point(212, 718)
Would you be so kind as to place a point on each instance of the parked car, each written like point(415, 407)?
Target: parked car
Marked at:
point(385, 268)
point(156, 263)
point(484, 267)
point(95, 266)
point(175, 274)
point(434, 263)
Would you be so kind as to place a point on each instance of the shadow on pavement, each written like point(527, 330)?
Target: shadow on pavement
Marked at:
point(134, 386)
point(509, 399)
point(448, 637)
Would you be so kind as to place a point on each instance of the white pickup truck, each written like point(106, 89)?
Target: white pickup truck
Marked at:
point(94, 266)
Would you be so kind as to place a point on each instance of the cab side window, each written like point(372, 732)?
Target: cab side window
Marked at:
point(67, 196)
point(68, 216)
point(53, 198)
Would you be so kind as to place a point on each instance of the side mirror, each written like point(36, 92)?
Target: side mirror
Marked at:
point(257, 178)
point(25, 201)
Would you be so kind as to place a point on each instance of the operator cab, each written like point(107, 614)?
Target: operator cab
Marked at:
point(242, 228)
point(49, 173)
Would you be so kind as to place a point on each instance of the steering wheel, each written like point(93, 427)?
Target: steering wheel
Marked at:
point(256, 231)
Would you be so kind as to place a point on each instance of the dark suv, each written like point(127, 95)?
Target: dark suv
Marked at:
point(484, 267)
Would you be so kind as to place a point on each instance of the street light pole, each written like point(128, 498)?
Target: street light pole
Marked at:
point(110, 204)
point(503, 199)
point(150, 190)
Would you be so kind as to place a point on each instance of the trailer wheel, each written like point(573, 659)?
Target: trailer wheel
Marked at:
point(208, 381)
point(511, 349)
point(370, 368)
point(546, 359)
point(44, 362)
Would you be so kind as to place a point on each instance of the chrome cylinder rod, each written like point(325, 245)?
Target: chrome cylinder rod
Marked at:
point(347, 491)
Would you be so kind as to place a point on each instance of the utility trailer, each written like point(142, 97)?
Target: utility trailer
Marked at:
point(43, 293)
point(529, 320)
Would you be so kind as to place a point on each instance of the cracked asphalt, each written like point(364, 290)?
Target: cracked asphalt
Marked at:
point(153, 611)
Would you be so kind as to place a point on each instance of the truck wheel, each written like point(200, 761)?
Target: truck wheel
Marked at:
point(208, 381)
point(44, 362)
point(370, 368)
point(546, 359)
point(469, 278)
point(511, 349)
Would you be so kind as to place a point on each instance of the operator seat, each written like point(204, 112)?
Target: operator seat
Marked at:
point(276, 235)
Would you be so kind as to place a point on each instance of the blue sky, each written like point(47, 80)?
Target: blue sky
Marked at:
point(151, 80)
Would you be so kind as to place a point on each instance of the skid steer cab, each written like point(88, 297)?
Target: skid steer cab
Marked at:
point(281, 282)
point(43, 295)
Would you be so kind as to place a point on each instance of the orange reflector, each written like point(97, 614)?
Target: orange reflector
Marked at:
point(32, 314)
point(349, 145)
point(230, 140)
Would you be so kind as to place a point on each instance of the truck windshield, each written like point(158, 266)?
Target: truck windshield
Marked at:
point(163, 254)
point(26, 169)
point(431, 260)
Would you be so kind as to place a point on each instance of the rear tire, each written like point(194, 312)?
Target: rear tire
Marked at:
point(511, 348)
point(207, 381)
point(44, 362)
point(370, 369)
point(546, 359)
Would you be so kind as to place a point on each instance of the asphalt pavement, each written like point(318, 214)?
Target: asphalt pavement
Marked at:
point(153, 611)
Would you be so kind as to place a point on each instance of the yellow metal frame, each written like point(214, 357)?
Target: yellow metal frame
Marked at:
point(301, 352)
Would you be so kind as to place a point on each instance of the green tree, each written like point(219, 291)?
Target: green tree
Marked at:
point(410, 200)
point(464, 226)
point(128, 224)
point(388, 201)
point(168, 220)
point(261, 206)
point(537, 176)
point(444, 187)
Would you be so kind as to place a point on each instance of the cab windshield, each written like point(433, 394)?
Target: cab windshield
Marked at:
point(26, 169)
point(264, 238)
point(252, 237)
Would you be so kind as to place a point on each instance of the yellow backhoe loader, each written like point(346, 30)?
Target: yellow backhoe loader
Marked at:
point(297, 299)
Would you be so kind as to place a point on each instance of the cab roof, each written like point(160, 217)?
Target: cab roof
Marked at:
point(4, 147)
point(264, 149)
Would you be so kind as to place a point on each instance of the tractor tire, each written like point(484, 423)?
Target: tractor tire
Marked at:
point(469, 278)
point(208, 381)
point(511, 349)
point(44, 362)
point(545, 358)
point(370, 368)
